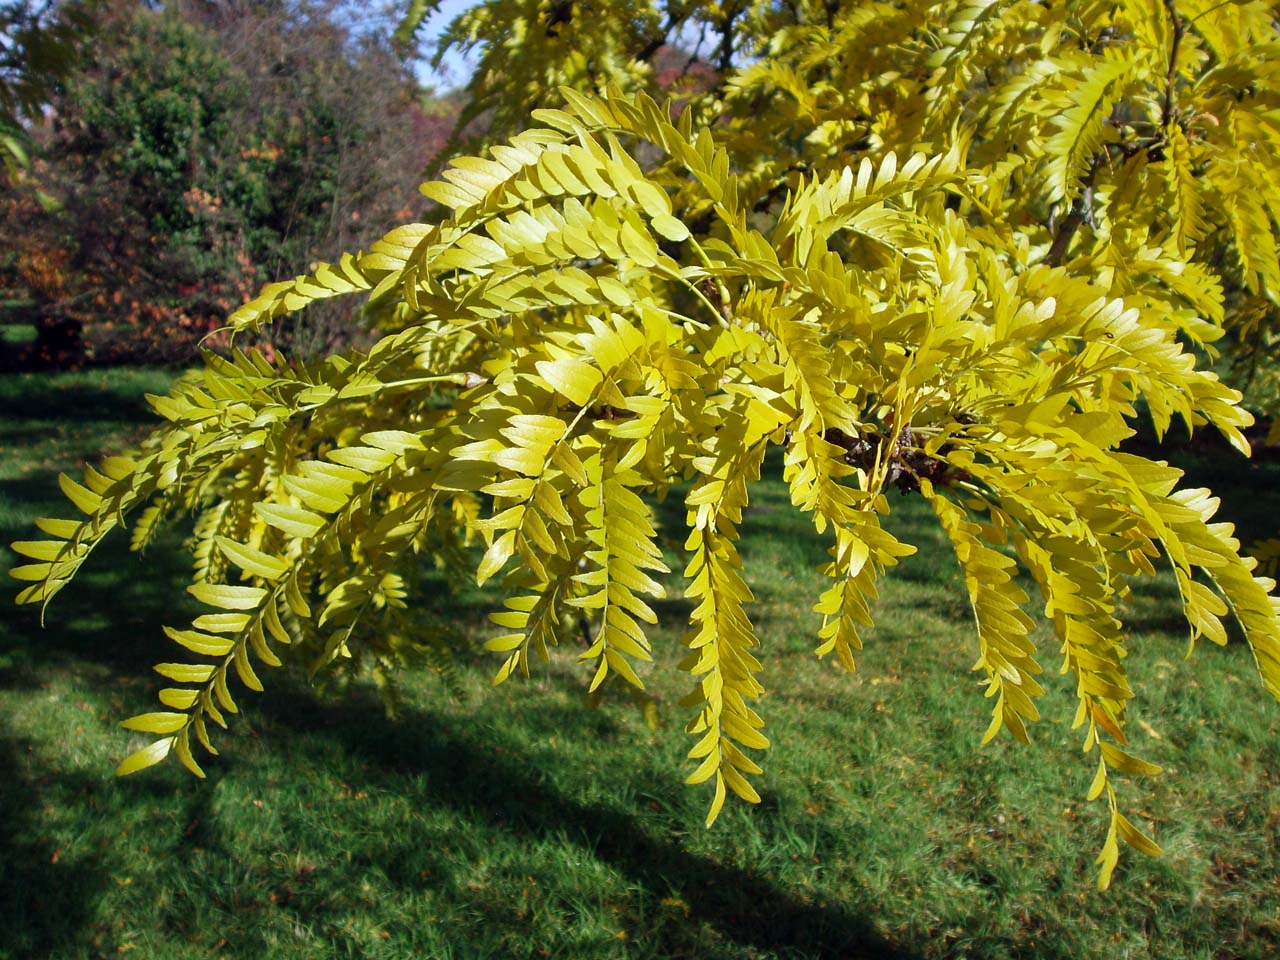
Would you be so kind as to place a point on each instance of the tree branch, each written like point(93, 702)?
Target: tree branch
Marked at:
point(656, 42)
point(1080, 211)
point(1171, 77)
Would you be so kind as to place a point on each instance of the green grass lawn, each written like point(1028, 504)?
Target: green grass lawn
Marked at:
point(520, 821)
point(17, 334)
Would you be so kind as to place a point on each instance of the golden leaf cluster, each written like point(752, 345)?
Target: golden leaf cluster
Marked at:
point(952, 247)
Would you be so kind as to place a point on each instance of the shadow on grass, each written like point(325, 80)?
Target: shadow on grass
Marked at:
point(44, 398)
point(501, 790)
point(60, 850)
point(112, 616)
point(36, 493)
point(46, 896)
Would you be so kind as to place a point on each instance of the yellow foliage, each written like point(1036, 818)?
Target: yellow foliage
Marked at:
point(947, 246)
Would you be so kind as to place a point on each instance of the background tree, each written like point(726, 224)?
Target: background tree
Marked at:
point(202, 147)
point(889, 247)
point(38, 44)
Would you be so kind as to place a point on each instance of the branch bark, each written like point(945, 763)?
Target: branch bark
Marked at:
point(1080, 211)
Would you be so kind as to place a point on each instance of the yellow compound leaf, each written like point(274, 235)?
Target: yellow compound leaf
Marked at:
point(146, 757)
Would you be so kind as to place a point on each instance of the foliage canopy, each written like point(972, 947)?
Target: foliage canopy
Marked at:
point(952, 247)
point(37, 50)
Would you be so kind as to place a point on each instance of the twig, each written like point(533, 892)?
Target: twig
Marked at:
point(1080, 211)
point(1171, 77)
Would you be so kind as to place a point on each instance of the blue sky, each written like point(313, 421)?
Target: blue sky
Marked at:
point(456, 69)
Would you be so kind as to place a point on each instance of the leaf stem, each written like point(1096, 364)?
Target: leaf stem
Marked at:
point(1169, 109)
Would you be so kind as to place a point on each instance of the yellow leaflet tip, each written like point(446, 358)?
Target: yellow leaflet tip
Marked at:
point(148, 756)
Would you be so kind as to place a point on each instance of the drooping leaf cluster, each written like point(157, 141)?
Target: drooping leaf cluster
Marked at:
point(622, 303)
